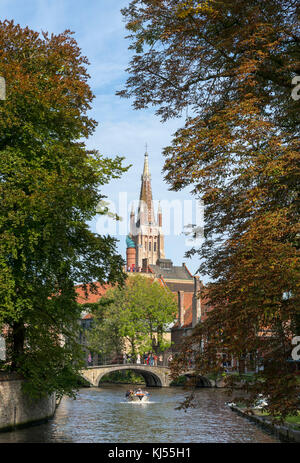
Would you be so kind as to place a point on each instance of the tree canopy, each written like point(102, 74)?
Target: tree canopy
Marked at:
point(136, 315)
point(231, 65)
point(49, 189)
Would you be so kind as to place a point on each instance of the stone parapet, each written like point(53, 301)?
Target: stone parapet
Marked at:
point(17, 409)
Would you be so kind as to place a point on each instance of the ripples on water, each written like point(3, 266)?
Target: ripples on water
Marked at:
point(102, 415)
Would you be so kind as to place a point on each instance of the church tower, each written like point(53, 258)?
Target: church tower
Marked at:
point(146, 232)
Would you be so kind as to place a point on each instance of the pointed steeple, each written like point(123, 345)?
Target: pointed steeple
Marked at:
point(146, 210)
point(147, 232)
point(146, 172)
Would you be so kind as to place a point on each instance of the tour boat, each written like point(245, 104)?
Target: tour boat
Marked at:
point(137, 396)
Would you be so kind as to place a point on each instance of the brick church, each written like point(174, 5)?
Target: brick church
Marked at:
point(145, 243)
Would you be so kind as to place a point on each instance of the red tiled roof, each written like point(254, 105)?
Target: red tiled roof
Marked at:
point(92, 295)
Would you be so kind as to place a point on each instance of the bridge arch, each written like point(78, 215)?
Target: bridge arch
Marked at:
point(201, 381)
point(151, 379)
point(153, 376)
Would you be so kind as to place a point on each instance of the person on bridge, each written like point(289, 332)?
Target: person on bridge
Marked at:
point(138, 359)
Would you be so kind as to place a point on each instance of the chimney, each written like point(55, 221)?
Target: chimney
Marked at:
point(180, 308)
point(196, 305)
point(130, 258)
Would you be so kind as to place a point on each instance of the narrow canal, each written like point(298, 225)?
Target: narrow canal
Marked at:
point(103, 415)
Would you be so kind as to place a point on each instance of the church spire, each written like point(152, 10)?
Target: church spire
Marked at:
point(147, 232)
point(146, 210)
point(146, 172)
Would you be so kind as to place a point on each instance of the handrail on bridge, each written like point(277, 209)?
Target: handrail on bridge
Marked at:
point(104, 365)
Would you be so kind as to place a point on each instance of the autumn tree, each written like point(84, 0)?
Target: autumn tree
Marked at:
point(137, 315)
point(50, 188)
point(228, 66)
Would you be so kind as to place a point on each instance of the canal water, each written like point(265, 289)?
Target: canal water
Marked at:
point(103, 415)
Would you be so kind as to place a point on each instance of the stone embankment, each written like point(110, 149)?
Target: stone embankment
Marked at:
point(283, 432)
point(19, 410)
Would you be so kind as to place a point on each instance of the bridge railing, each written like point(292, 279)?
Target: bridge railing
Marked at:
point(93, 361)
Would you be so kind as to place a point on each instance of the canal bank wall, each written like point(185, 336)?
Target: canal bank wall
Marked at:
point(284, 433)
point(17, 409)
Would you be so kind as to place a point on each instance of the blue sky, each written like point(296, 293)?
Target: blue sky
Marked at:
point(100, 32)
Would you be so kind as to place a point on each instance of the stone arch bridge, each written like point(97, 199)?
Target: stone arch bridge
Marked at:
point(154, 376)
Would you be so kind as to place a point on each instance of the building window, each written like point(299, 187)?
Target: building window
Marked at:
point(154, 246)
point(149, 245)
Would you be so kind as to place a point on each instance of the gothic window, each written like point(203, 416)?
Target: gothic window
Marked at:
point(149, 245)
point(154, 246)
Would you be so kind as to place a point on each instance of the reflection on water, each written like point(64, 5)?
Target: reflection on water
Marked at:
point(102, 415)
